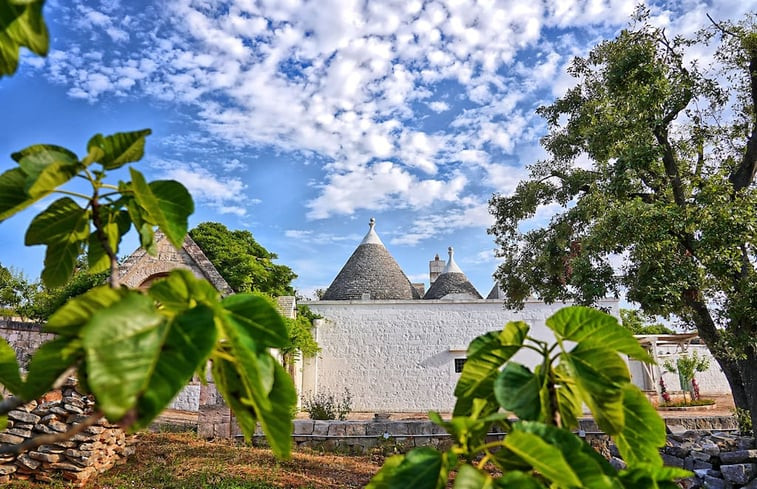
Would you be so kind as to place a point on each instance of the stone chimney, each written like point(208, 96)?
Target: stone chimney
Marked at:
point(435, 268)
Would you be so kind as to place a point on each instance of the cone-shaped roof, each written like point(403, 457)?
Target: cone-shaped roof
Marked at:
point(451, 282)
point(496, 292)
point(371, 270)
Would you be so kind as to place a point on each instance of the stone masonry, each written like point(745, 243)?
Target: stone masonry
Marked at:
point(78, 459)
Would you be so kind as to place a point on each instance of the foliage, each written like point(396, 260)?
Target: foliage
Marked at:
point(328, 406)
point(744, 420)
point(687, 366)
point(14, 290)
point(134, 350)
point(44, 301)
point(21, 25)
point(651, 157)
point(301, 341)
point(245, 264)
point(584, 366)
point(694, 402)
point(634, 321)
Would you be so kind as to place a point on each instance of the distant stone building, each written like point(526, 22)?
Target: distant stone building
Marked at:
point(396, 350)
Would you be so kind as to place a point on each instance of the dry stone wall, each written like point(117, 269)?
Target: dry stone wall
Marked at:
point(78, 459)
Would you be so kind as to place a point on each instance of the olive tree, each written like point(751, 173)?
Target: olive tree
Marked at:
point(652, 159)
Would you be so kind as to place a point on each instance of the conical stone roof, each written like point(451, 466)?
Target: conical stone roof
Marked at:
point(452, 281)
point(373, 271)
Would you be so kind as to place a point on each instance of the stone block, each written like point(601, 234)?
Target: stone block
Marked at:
point(7, 469)
point(672, 461)
point(303, 426)
point(739, 473)
point(46, 457)
point(700, 456)
point(738, 456)
point(11, 439)
point(23, 416)
point(716, 483)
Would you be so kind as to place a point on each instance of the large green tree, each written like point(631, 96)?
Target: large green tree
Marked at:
point(14, 290)
point(652, 159)
point(245, 264)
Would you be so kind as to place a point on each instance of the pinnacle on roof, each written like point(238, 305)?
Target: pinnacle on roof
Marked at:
point(452, 282)
point(371, 272)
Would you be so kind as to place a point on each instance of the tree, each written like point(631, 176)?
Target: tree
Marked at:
point(14, 290)
point(43, 301)
point(245, 264)
point(634, 321)
point(667, 182)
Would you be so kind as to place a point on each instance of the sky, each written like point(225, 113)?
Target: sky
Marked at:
point(301, 120)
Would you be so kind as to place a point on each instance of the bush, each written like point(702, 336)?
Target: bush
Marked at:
point(328, 406)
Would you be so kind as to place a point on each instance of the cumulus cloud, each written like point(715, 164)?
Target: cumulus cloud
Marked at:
point(225, 195)
point(353, 82)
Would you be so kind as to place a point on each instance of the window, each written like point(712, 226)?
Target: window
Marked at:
point(459, 362)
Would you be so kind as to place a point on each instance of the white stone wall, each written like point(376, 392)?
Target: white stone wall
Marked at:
point(711, 382)
point(399, 355)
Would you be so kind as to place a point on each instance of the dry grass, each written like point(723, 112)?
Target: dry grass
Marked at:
point(183, 461)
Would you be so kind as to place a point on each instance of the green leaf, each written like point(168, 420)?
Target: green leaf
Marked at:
point(13, 197)
point(49, 362)
point(9, 369)
point(63, 227)
point(644, 430)
point(591, 468)
point(262, 322)
point(649, 476)
point(114, 225)
point(517, 389)
point(21, 24)
point(592, 327)
point(469, 431)
point(191, 337)
point(420, 468)
point(69, 319)
point(122, 344)
point(545, 458)
point(600, 375)
point(486, 355)
point(469, 477)
point(569, 403)
point(254, 399)
point(516, 479)
point(180, 290)
point(64, 221)
point(118, 149)
point(165, 203)
point(45, 149)
point(47, 169)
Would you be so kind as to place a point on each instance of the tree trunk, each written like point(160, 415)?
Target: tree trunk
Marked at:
point(742, 378)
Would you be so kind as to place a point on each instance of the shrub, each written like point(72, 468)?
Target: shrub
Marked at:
point(328, 406)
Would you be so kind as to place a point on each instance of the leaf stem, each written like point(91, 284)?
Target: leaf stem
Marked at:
point(73, 194)
point(103, 238)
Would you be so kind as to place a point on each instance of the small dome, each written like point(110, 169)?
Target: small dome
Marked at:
point(452, 282)
point(371, 272)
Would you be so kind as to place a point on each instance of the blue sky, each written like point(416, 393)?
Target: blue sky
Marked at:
point(300, 121)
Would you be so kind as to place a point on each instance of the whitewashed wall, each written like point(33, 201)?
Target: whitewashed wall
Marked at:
point(399, 355)
point(711, 382)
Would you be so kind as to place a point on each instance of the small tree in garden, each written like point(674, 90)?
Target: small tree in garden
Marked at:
point(583, 367)
point(133, 350)
point(686, 367)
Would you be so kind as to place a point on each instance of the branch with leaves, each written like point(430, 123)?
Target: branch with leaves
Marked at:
point(132, 349)
point(583, 367)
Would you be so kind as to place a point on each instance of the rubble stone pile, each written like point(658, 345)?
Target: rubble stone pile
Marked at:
point(90, 452)
point(720, 460)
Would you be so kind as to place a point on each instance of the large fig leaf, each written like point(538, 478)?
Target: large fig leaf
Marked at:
point(118, 149)
point(486, 355)
point(122, 344)
point(263, 324)
point(69, 319)
point(190, 339)
point(517, 389)
point(166, 204)
point(644, 430)
point(9, 368)
point(420, 468)
point(592, 327)
point(21, 24)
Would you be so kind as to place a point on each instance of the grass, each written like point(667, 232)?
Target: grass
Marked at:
point(697, 402)
point(183, 461)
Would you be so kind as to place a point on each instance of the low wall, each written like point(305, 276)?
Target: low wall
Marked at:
point(90, 452)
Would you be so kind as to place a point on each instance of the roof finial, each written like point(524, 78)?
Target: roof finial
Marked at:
point(372, 237)
point(451, 265)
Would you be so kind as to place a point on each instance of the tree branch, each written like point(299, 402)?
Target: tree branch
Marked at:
point(104, 242)
point(743, 175)
point(669, 162)
point(52, 438)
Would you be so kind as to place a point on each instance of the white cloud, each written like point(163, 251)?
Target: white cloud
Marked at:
point(225, 195)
